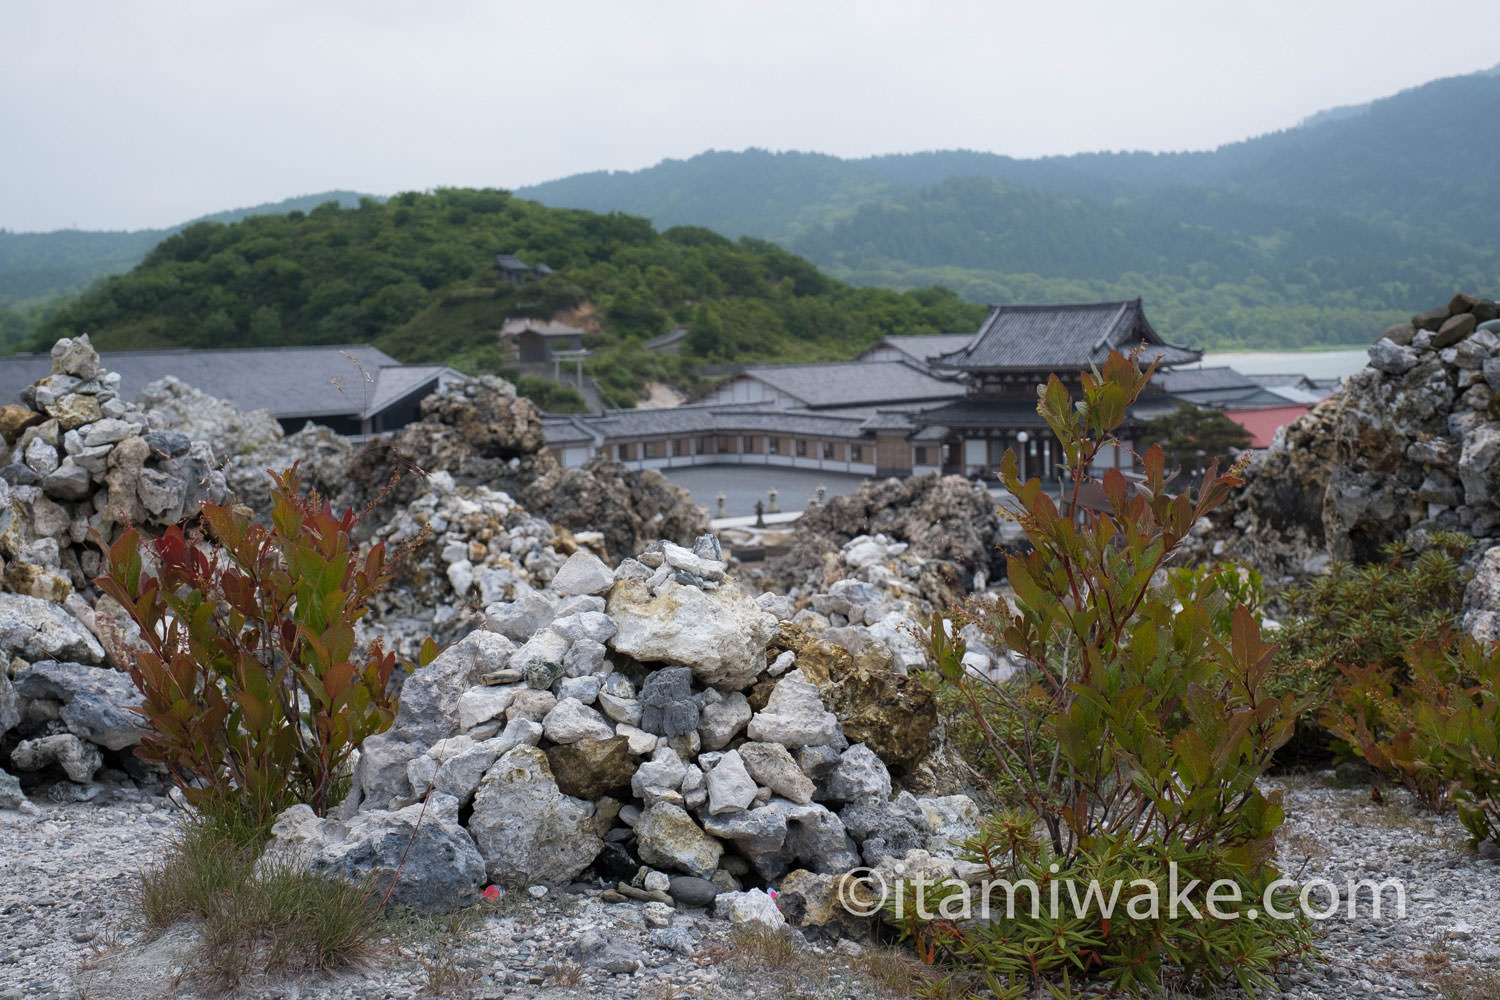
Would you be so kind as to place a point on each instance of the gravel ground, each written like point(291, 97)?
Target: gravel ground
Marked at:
point(67, 928)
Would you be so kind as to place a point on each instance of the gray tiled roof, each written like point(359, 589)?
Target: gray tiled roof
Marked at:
point(288, 381)
point(921, 347)
point(690, 421)
point(566, 430)
point(1062, 338)
point(981, 413)
point(1017, 413)
point(510, 262)
point(1240, 396)
point(1198, 379)
point(395, 382)
point(855, 383)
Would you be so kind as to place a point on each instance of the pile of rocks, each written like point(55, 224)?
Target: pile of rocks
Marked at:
point(1409, 445)
point(650, 717)
point(82, 461)
point(64, 716)
point(947, 523)
point(483, 434)
point(461, 549)
point(880, 601)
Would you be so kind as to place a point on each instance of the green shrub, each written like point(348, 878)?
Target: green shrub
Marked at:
point(551, 396)
point(1432, 724)
point(252, 684)
point(1140, 733)
point(1369, 616)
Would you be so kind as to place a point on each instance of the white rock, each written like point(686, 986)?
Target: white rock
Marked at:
point(583, 573)
point(659, 777)
point(479, 705)
point(641, 743)
point(617, 699)
point(584, 689)
point(722, 636)
point(461, 576)
point(721, 717)
point(753, 908)
point(571, 721)
point(794, 716)
point(730, 787)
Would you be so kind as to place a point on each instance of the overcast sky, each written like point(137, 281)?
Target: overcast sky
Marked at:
point(123, 115)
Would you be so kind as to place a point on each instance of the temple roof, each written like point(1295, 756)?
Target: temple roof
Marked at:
point(1061, 338)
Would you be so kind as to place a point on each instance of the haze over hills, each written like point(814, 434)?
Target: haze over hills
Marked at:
point(1316, 234)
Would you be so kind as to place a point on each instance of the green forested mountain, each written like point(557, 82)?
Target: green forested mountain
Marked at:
point(1314, 235)
point(414, 276)
point(37, 269)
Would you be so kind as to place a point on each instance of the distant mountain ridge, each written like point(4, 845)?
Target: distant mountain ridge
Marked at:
point(1313, 234)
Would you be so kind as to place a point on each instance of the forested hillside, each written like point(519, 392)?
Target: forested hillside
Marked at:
point(38, 269)
point(414, 276)
point(1313, 235)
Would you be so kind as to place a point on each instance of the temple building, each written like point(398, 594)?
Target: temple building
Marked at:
point(950, 402)
point(1016, 349)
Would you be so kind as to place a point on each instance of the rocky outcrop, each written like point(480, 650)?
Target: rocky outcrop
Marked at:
point(1406, 447)
point(229, 431)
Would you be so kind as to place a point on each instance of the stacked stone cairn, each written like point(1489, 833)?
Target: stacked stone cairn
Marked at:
point(655, 732)
point(82, 461)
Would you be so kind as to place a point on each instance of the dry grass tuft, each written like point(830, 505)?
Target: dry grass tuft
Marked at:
point(278, 919)
point(565, 973)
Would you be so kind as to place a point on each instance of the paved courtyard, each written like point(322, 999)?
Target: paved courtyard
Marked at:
point(742, 485)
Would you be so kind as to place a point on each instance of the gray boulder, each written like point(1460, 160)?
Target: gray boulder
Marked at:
point(519, 619)
point(667, 704)
point(430, 697)
point(10, 703)
point(11, 796)
point(439, 867)
point(33, 630)
point(78, 759)
point(1481, 602)
point(1392, 358)
point(860, 777)
point(95, 702)
point(730, 787)
point(886, 828)
point(527, 830)
point(667, 838)
point(721, 717)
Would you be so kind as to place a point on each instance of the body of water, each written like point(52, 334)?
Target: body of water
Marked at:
point(1313, 364)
